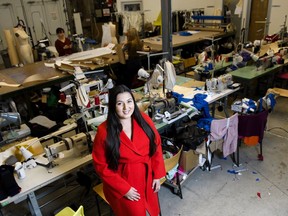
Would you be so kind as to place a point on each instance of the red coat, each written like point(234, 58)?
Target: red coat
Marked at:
point(136, 169)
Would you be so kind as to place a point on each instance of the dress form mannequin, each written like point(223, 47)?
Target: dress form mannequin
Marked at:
point(24, 48)
point(109, 34)
point(113, 33)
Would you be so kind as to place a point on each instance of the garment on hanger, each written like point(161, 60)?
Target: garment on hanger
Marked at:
point(132, 20)
point(228, 130)
point(120, 25)
point(181, 18)
point(174, 21)
point(170, 76)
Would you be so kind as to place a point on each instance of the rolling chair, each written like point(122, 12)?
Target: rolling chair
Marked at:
point(67, 211)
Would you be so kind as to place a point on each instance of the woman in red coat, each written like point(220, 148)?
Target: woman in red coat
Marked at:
point(127, 155)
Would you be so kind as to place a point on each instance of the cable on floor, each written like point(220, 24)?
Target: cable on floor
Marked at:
point(277, 128)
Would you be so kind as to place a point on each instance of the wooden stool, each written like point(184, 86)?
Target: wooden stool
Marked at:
point(99, 192)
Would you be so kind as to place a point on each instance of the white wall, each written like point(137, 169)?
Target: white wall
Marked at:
point(154, 6)
point(278, 11)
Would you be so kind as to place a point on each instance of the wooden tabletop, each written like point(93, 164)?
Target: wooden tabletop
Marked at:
point(156, 42)
point(35, 71)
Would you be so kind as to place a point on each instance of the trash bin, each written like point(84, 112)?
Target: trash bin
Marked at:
point(6, 59)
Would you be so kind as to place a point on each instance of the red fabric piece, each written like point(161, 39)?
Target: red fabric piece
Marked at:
point(136, 169)
point(259, 194)
point(283, 76)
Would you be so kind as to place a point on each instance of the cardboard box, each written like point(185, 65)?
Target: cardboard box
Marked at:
point(189, 62)
point(188, 160)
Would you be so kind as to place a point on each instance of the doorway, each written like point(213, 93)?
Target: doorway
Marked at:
point(258, 24)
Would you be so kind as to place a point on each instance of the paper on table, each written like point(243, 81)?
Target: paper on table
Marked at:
point(90, 54)
point(9, 85)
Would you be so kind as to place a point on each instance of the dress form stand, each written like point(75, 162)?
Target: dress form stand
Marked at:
point(113, 33)
point(109, 34)
point(24, 48)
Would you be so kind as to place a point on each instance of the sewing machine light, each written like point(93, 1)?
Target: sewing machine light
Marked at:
point(109, 84)
point(143, 74)
point(9, 118)
point(26, 153)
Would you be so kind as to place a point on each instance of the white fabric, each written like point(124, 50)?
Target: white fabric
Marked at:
point(170, 76)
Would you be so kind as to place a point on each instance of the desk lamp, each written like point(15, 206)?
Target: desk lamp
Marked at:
point(8, 119)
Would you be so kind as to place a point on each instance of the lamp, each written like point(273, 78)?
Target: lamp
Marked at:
point(26, 153)
point(9, 118)
point(143, 74)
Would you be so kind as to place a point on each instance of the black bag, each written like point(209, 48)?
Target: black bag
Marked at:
point(190, 136)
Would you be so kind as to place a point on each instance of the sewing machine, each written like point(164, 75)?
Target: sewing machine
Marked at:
point(160, 106)
point(78, 145)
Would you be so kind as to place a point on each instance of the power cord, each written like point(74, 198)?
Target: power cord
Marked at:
point(278, 128)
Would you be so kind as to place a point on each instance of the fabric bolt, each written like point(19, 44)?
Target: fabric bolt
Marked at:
point(136, 169)
point(253, 125)
point(228, 130)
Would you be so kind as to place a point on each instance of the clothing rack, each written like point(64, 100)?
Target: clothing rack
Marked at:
point(122, 14)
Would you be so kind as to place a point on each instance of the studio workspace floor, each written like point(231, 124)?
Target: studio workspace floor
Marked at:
point(261, 189)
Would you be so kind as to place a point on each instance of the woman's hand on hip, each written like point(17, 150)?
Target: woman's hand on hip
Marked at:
point(156, 185)
point(132, 194)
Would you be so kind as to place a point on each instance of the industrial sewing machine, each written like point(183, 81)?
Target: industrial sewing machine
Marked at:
point(78, 145)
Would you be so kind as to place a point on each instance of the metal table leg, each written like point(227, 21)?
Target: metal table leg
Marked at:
point(33, 205)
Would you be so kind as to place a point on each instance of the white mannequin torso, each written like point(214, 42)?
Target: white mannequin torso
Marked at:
point(24, 48)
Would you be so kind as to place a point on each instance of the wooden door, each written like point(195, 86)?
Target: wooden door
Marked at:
point(258, 20)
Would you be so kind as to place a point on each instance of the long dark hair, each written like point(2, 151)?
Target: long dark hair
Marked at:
point(114, 127)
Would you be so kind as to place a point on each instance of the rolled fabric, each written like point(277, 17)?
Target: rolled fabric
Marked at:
point(11, 47)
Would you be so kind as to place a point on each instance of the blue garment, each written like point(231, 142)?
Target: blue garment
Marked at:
point(204, 123)
point(180, 98)
point(252, 106)
point(201, 104)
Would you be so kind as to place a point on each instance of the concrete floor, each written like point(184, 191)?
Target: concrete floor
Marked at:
point(261, 188)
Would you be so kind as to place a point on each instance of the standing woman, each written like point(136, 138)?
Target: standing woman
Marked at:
point(127, 155)
point(133, 63)
point(63, 44)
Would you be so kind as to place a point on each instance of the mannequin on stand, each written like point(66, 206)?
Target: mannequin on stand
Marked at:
point(24, 48)
point(109, 34)
point(113, 33)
